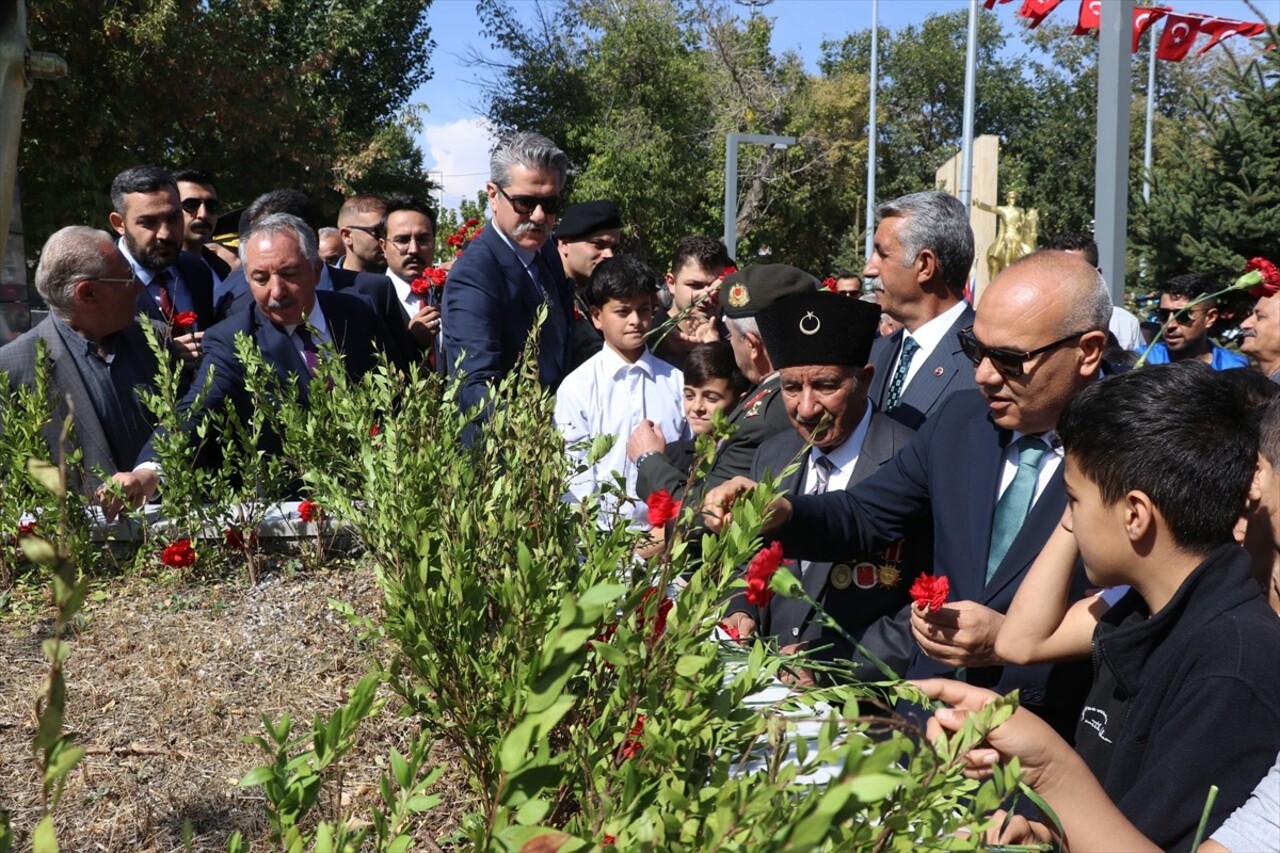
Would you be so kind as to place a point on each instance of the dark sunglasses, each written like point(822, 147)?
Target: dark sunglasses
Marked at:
point(192, 205)
point(526, 204)
point(1010, 363)
point(1182, 316)
point(371, 230)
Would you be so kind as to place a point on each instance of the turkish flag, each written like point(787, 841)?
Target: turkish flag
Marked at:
point(1180, 33)
point(1090, 17)
point(991, 4)
point(1219, 29)
point(1037, 10)
point(1143, 18)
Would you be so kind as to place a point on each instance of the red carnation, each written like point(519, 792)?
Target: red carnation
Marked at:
point(1269, 285)
point(608, 840)
point(762, 567)
point(375, 430)
point(27, 528)
point(309, 511)
point(184, 319)
point(731, 631)
point(930, 592)
point(662, 508)
point(664, 607)
point(178, 555)
point(829, 283)
point(471, 223)
point(436, 275)
point(729, 270)
point(419, 286)
point(631, 746)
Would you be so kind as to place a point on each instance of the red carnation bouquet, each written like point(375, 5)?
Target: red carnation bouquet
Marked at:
point(464, 235)
point(432, 277)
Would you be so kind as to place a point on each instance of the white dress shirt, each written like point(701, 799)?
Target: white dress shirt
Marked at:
point(607, 395)
point(842, 459)
point(928, 337)
point(404, 292)
point(1049, 463)
point(319, 331)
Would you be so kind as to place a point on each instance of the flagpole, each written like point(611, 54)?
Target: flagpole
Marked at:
point(871, 132)
point(1111, 169)
point(1151, 101)
point(970, 87)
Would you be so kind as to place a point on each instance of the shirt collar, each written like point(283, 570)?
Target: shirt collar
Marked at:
point(1050, 438)
point(615, 364)
point(845, 455)
point(315, 319)
point(931, 333)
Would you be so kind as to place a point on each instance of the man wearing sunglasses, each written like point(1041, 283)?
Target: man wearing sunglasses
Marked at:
point(1186, 330)
point(198, 196)
point(359, 223)
point(987, 469)
point(509, 272)
point(95, 351)
point(147, 214)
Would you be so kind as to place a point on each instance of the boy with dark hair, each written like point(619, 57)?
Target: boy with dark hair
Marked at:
point(620, 386)
point(1159, 464)
point(1186, 330)
point(697, 266)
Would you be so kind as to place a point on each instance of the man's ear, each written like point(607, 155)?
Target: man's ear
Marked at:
point(117, 222)
point(1092, 345)
point(1210, 317)
point(865, 375)
point(926, 266)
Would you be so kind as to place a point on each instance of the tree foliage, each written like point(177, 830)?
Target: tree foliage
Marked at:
point(309, 93)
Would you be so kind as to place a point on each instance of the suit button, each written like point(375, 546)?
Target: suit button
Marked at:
point(795, 632)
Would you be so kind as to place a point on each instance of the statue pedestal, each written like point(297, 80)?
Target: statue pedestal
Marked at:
point(986, 168)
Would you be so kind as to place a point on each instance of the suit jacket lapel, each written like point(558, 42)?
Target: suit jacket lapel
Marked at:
point(1045, 513)
point(877, 449)
point(279, 351)
point(883, 352)
point(928, 383)
point(65, 378)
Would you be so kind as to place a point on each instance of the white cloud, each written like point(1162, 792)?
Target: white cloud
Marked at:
point(457, 153)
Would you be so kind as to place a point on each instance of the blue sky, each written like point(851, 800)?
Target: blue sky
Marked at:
point(456, 141)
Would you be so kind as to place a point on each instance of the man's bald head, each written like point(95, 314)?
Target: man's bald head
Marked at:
point(1054, 307)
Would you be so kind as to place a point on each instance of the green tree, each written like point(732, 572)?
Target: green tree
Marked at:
point(306, 93)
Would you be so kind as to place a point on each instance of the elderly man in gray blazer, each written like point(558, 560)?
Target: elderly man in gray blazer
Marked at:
point(95, 353)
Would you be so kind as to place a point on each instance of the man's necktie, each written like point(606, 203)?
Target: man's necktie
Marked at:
point(909, 348)
point(818, 483)
point(1015, 503)
point(309, 352)
point(161, 280)
point(547, 279)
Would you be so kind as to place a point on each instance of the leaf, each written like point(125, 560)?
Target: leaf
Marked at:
point(38, 550)
point(257, 776)
point(48, 476)
point(44, 839)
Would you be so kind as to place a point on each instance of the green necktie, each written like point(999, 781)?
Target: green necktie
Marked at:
point(909, 347)
point(1015, 503)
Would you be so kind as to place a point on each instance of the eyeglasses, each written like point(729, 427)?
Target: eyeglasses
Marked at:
point(371, 230)
point(1010, 363)
point(192, 205)
point(130, 280)
point(526, 204)
point(1181, 316)
point(402, 241)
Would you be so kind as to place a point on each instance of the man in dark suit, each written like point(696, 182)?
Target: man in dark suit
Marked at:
point(820, 342)
point(987, 468)
point(407, 236)
point(289, 321)
point(96, 354)
point(198, 195)
point(922, 255)
point(148, 217)
point(508, 272)
point(760, 414)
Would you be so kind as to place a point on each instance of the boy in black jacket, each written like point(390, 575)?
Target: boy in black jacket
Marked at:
point(1158, 466)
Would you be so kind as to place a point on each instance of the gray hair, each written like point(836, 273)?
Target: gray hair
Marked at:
point(283, 223)
point(532, 151)
point(328, 231)
point(1092, 311)
point(743, 326)
point(938, 222)
point(71, 255)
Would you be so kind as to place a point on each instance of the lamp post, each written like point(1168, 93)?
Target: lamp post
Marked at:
point(731, 143)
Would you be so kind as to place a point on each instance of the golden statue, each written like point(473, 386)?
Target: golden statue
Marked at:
point(1016, 233)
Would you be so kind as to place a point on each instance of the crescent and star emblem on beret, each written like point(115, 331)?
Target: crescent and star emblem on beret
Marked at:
point(810, 324)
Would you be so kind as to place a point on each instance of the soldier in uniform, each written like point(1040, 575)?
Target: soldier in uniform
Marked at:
point(586, 234)
point(760, 414)
point(820, 344)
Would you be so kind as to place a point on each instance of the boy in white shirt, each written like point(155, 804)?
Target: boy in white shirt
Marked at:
point(622, 385)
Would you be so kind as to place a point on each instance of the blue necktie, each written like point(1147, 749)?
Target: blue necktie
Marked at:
point(1015, 503)
point(909, 348)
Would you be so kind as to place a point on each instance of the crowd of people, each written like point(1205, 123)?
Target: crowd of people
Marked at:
point(1109, 534)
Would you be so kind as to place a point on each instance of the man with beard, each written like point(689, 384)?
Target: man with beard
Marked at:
point(588, 233)
point(922, 255)
point(359, 226)
point(509, 272)
point(408, 240)
point(1186, 330)
point(147, 215)
point(200, 207)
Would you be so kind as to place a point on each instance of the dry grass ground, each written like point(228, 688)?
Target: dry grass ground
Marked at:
point(165, 678)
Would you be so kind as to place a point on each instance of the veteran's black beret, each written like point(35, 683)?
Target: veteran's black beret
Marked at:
point(818, 328)
point(747, 291)
point(587, 218)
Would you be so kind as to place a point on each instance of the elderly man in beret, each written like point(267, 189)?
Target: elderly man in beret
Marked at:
point(760, 414)
point(586, 234)
point(820, 344)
